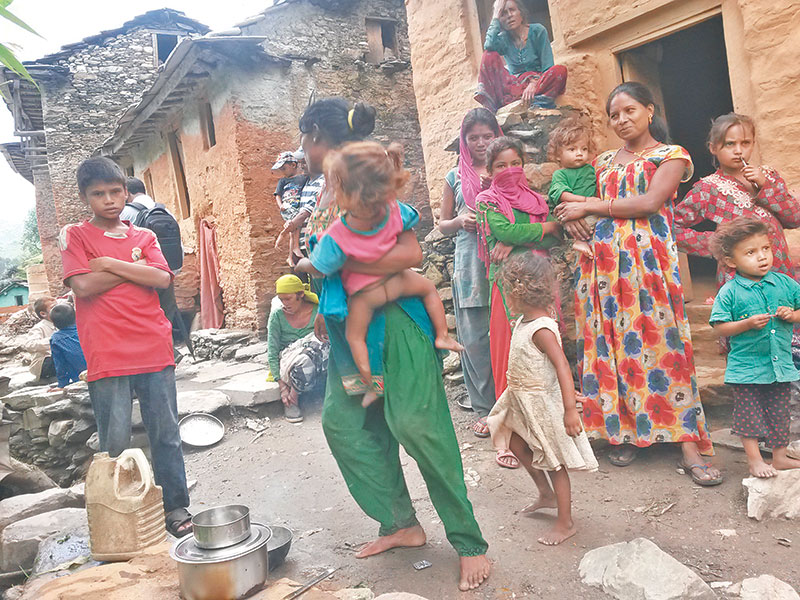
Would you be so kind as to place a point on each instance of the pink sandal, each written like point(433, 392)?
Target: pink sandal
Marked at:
point(513, 461)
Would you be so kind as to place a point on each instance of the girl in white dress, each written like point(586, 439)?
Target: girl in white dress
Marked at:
point(537, 417)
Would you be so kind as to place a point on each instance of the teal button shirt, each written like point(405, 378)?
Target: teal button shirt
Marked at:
point(759, 355)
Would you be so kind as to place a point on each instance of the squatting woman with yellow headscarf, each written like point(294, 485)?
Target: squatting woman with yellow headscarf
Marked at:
point(290, 320)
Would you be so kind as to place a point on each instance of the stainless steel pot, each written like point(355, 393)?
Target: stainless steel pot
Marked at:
point(222, 526)
point(230, 573)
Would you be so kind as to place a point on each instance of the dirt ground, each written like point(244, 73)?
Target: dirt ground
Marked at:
point(288, 476)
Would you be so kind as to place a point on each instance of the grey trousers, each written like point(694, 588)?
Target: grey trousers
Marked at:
point(472, 325)
point(112, 404)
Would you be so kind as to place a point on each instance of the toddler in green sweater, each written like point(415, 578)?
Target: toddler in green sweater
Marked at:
point(570, 146)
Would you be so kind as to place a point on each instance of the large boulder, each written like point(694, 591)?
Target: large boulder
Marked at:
point(23, 506)
point(773, 497)
point(20, 541)
point(765, 587)
point(640, 570)
point(201, 401)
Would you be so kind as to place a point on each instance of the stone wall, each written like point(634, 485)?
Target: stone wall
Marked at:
point(334, 38)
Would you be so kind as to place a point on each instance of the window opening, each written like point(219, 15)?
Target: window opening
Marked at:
point(164, 44)
point(381, 40)
point(176, 159)
point(207, 124)
point(18, 300)
point(129, 171)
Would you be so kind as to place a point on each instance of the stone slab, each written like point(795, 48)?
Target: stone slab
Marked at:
point(29, 397)
point(220, 370)
point(773, 497)
point(19, 542)
point(17, 508)
point(203, 401)
point(640, 570)
point(253, 381)
point(766, 587)
point(250, 351)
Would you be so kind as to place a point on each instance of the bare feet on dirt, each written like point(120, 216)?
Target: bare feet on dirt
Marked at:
point(559, 533)
point(448, 343)
point(781, 461)
point(583, 248)
point(541, 502)
point(368, 399)
point(474, 571)
point(758, 468)
point(409, 537)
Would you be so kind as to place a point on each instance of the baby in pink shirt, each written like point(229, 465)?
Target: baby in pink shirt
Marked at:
point(366, 179)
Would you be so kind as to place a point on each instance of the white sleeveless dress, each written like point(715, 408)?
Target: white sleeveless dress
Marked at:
point(532, 407)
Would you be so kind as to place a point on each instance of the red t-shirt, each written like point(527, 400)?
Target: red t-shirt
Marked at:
point(123, 331)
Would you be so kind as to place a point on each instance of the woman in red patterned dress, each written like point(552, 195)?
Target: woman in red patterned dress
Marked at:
point(737, 189)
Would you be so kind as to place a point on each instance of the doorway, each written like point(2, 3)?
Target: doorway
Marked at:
point(687, 72)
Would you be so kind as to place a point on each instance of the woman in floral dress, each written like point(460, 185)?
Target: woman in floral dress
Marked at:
point(737, 189)
point(637, 368)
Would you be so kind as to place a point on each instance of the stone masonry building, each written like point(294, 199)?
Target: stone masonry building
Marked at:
point(203, 132)
point(83, 90)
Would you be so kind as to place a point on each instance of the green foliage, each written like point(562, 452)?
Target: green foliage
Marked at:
point(7, 57)
point(31, 245)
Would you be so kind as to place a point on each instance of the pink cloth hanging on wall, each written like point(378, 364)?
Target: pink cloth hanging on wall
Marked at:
point(211, 314)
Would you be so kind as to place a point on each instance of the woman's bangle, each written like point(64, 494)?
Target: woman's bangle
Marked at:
point(610, 202)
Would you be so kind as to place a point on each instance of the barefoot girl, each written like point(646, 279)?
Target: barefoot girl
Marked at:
point(538, 412)
point(414, 414)
point(757, 309)
point(512, 219)
point(365, 179)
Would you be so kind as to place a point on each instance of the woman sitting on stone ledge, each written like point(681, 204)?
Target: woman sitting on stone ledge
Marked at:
point(518, 61)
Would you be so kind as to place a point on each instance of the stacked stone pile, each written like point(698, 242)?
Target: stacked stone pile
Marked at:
point(222, 343)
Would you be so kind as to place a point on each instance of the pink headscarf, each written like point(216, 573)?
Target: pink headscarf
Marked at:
point(470, 182)
point(509, 191)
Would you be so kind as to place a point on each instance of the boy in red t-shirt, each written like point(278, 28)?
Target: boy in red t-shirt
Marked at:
point(114, 269)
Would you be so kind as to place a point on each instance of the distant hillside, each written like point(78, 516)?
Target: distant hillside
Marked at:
point(10, 238)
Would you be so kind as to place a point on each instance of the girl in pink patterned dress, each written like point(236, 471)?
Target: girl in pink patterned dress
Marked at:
point(737, 189)
point(366, 179)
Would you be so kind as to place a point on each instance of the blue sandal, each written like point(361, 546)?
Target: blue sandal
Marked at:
point(689, 470)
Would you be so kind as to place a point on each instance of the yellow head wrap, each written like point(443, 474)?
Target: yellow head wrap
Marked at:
point(291, 284)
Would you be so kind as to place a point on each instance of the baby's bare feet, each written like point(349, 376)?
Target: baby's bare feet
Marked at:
point(474, 571)
point(583, 248)
point(368, 399)
point(781, 461)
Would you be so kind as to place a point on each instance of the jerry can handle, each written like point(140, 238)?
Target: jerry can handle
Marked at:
point(139, 459)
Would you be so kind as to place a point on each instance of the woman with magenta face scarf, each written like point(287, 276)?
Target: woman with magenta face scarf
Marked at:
point(511, 218)
point(470, 284)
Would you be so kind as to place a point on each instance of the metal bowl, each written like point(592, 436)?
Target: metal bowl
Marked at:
point(201, 430)
point(221, 527)
point(278, 545)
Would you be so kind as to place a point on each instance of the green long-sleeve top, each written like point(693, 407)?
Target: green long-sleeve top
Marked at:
point(280, 334)
point(536, 55)
point(522, 234)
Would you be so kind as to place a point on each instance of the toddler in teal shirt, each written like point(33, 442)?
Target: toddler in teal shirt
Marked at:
point(570, 147)
point(756, 309)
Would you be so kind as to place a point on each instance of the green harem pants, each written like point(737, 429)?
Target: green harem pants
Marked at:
point(414, 413)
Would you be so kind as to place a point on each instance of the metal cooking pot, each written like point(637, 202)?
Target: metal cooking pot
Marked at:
point(230, 573)
point(222, 526)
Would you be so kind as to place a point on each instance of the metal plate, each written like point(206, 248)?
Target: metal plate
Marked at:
point(187, 550)
point(201, 430)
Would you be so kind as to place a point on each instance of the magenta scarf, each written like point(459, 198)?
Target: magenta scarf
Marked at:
point(470, 182)
point(510, 190)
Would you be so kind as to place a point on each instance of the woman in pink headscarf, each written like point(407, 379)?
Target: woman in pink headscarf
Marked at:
point(470, 285)
point(510, 218)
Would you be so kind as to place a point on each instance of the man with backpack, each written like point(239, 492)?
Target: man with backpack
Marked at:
point(142, 211)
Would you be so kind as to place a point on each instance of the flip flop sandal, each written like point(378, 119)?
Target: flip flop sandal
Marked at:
point(508, 454)
point(689, 470)
point(176, 521)
point(480, 428)
point(618, 459)
point(464, 404)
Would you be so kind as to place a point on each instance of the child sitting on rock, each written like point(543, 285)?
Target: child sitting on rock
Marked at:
point(290, 201)
point(366, 179)
point(570, 146)
point(756, 309)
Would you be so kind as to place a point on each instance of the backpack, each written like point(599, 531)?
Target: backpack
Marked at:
point(167, 231)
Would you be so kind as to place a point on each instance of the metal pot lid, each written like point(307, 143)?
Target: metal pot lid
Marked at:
point(187, 551)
